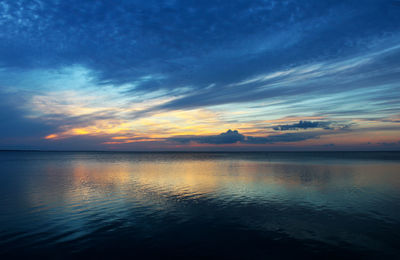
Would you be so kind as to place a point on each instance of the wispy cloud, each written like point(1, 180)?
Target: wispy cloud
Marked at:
point(327, 125)
point(183, 71)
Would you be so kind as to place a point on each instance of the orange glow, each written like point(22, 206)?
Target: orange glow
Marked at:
point(119, 137)
point(52, 136)
point(80, 131)
point(120, 128)
point(135, 141)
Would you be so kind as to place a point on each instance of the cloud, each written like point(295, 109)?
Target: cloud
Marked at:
point(246, 61)
point(188, 42)
point(14, 122)
point(357, 84)
point(305, 125)
point(231, 137)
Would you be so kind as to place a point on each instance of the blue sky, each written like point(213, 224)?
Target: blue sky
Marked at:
point(178, 75)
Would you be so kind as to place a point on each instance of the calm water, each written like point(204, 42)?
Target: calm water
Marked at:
point(226, 205)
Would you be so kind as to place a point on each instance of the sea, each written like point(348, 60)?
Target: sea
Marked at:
point(184, 205)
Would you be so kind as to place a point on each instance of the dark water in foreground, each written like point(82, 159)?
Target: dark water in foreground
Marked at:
point(181, 205)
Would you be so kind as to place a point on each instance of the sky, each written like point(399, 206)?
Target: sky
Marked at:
point(234, 75)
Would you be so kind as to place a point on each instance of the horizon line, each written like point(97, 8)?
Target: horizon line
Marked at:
point(190, 151)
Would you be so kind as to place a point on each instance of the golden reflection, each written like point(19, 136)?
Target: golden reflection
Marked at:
point(187, 177)
point(206, 177)
point(147, 181)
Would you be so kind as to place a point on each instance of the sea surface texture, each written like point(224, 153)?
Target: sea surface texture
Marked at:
point(68, 205)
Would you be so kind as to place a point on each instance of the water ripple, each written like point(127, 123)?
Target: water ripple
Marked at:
point(216, 205)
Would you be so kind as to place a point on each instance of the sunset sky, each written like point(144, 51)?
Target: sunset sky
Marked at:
point(200, 75)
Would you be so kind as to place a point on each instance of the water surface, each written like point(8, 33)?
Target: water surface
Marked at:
point(230, 205)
